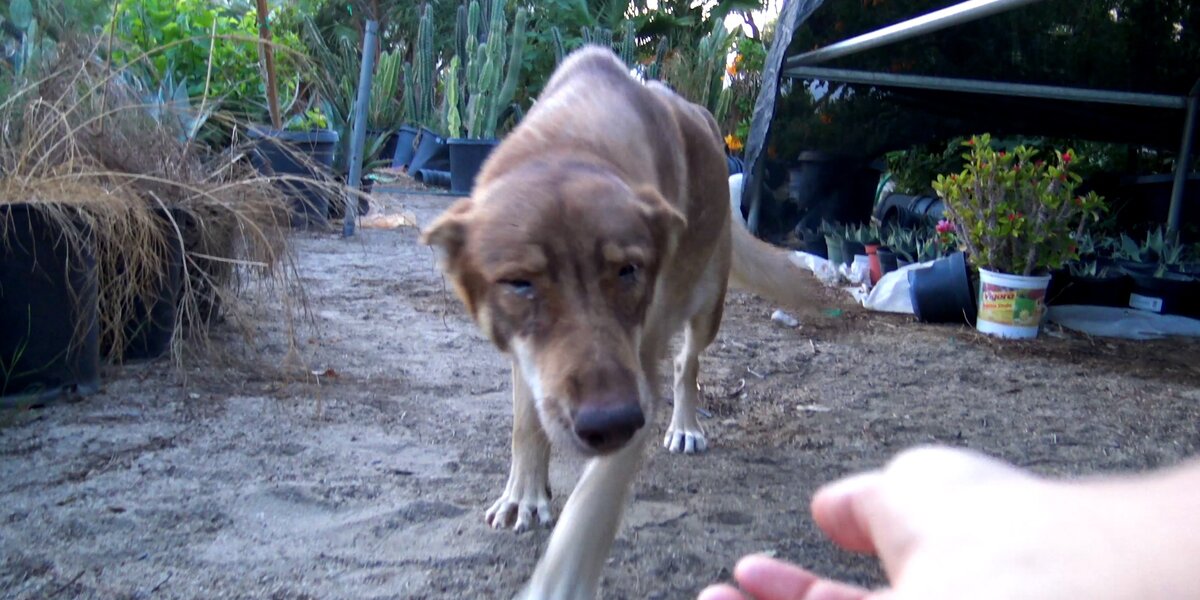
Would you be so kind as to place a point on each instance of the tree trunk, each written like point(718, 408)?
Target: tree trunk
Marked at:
point(268, 56)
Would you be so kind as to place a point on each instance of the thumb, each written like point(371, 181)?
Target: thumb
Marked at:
point(838, 509)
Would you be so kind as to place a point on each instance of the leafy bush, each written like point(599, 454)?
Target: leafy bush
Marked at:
point(173, 39)
point(1014, 211)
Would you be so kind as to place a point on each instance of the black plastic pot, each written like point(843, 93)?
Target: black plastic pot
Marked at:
point(1171, 294)
point(887, 261)
point(909, 211)
point(942, 292)
point(307, 154)
point(1066, 288)
point(466, 158)
point(431, 153)
point(49, 314)
point(390, 140)
point(148, 333)
point(850, 249)
point(434, 177)
point(814, 243)
point(406, 136)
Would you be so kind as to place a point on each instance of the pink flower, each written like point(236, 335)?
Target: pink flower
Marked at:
point(945, 226)
point(1066, 158)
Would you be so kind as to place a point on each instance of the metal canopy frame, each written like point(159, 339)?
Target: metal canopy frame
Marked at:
point(800, 67)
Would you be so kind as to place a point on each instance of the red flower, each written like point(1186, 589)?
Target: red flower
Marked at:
point(945, 226)
point(971, 142)
point(1013, 216)
point(1066, 158)
point(1001, 154)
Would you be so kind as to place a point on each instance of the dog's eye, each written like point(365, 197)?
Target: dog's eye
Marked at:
point(520, 287)
point(629, 273)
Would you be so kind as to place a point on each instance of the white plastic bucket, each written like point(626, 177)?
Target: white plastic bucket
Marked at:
point(1011, 306)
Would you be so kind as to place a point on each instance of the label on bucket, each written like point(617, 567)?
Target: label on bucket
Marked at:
point(1011, 306)
point(1141, 302)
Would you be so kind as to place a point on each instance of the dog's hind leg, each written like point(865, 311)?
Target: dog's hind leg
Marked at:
point(527, 495)
point(685, 434)
point(580, 544)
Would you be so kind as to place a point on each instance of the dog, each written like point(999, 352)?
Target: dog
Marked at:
point(597, 230)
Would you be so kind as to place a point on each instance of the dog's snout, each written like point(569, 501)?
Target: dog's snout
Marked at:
point(608, 426)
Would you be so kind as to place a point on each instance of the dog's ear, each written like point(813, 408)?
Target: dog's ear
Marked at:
point(448, 233)
point(664, 217)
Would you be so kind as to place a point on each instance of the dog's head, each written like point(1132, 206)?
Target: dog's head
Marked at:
point(559, 269)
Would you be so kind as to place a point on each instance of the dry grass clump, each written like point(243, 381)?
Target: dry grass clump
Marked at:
point(81, 145)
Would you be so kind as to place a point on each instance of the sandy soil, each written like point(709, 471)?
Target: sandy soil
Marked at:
point(259, 480)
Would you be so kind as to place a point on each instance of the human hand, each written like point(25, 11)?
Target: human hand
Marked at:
point(955, 524)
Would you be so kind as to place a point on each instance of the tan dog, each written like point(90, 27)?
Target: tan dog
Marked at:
point(596, 231)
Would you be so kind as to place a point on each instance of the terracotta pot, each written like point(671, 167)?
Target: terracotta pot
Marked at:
point(873, 257)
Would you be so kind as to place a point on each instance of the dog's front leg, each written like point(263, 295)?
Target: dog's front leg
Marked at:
point(527, 495)
point(579, 546)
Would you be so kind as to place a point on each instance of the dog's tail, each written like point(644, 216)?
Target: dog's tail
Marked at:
point(769, 271)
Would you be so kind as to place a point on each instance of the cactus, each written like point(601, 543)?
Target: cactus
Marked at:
point(410, 97)
point(654, 71)
point(453, 120)
point(419, 80)
point(491, 80)
point(504, 96)
point(628, 43)
point(479, 106)
point(559, 49)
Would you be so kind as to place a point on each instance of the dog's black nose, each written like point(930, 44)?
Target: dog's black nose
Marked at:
point(606, 427)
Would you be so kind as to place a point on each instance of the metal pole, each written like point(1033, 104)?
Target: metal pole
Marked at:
point(980, 86)
point(359, 135)
point(1183, 160)
point(934, 21)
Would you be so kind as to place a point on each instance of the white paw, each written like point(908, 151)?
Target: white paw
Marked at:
point(686, 440)
point(521, 511)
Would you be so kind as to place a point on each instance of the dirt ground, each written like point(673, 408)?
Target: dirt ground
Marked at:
point(258, 480)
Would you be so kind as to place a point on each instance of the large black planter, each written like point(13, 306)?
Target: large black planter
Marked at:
point(850, 249)
point(306, 154)
point(402, 153)
point(148, 333)
point(909, 211)
point(466, 158)
point(1172, 294)
point(390, 140)
point(431, 152)
point(1066, 288)
point(49, 315)
point(942, 292)
point(887, 261)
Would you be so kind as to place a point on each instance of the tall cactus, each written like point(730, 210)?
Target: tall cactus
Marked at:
point(491, 77)
point(481, 85)
point(628, 43)
point(654, 71)
point(453, 119)
point(559, 47)
point(505, 94)
point(423, 82)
